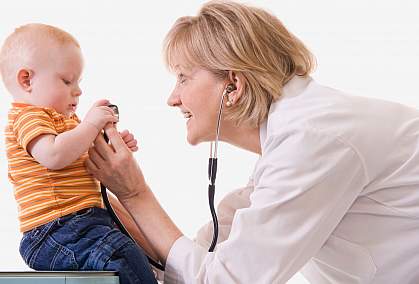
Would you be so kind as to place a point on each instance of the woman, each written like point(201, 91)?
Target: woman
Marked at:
point(335, 191)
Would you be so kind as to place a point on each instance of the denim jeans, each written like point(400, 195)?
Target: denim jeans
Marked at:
point(87, 240)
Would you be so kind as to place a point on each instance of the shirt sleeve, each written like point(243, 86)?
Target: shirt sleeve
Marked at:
point(304, 183)
point(30, 123)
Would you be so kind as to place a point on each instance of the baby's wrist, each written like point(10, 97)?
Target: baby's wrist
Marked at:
point(91, 125)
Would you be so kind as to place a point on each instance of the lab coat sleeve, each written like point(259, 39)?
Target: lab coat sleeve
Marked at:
point(304, 183)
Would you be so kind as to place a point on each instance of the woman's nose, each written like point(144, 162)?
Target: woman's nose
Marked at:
point(174, 99)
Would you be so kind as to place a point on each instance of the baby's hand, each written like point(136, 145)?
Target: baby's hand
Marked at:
point(129, 140)
point(100, 114)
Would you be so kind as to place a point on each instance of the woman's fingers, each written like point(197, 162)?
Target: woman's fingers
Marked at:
point(115, 139)
point(91, 167)
point(103, 148)
point(116, 168)
point(95, 157)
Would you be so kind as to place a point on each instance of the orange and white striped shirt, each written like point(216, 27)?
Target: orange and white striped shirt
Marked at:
point(43, 194)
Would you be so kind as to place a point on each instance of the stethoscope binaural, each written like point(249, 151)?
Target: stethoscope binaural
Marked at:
point(212, 173)
point(212, 168)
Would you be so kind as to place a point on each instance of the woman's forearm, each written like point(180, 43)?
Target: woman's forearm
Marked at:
point(120, 172)
point(156, 225)
point(131, 226)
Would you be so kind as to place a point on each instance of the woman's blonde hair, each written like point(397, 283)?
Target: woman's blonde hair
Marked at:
point(227, 36)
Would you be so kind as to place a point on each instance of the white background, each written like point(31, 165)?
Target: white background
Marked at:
point(368, 48)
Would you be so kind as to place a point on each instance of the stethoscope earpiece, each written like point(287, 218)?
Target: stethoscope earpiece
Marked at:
point(229, 89)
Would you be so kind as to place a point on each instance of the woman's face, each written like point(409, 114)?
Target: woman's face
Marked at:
point(197, 94)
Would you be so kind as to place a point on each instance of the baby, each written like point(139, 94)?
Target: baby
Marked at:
point(61, 214)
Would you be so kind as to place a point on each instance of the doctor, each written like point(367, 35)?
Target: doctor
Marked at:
point(335, 192)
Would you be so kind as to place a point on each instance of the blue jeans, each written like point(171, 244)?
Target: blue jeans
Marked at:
point(86, 240)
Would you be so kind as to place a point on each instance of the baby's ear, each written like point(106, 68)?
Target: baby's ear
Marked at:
point(24, 79)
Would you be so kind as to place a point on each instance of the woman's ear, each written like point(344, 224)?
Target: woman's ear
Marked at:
point(24, 79)
point(237, 79)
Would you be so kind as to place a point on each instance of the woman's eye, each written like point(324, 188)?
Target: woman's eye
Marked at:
point(181, 78)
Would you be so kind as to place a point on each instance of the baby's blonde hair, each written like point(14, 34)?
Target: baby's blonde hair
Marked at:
point(23, 45)
point(228, 36)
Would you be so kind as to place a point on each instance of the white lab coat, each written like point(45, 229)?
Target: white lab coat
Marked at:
point(335, 195)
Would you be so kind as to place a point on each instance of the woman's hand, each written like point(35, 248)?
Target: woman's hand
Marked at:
point(115, 166)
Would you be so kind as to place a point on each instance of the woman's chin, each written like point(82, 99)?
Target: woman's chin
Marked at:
point(197, 139)
point(196, 135)
point(192, 140)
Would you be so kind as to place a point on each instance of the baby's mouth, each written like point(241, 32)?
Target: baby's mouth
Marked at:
point(187, 114)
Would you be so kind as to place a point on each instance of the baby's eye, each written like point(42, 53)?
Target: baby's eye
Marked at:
point(66, 82)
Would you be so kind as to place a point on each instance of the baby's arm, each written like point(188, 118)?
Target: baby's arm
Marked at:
point(58, 151)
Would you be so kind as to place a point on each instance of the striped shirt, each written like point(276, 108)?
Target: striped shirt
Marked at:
point(43, 194)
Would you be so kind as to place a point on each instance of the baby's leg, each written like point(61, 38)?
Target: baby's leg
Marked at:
point(100, 246)
point(87, 240)
point(41, 251)
point(125, 257)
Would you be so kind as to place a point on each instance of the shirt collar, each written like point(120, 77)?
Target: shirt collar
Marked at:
point(52, 111)
point(19, 105)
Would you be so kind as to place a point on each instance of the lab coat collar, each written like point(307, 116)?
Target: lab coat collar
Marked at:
point(293, 88)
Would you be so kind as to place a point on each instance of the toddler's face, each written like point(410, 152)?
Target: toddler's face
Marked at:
point(56, 82)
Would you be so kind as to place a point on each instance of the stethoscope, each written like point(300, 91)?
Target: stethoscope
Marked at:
point(212, 168)
point(212, 173)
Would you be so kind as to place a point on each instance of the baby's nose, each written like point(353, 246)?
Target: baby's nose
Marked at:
point(77, 93)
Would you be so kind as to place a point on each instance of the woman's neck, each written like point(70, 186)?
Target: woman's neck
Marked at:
point(242, 136)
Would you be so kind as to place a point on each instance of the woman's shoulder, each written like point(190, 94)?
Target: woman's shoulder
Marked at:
point(335, 112)
point(371, 128)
